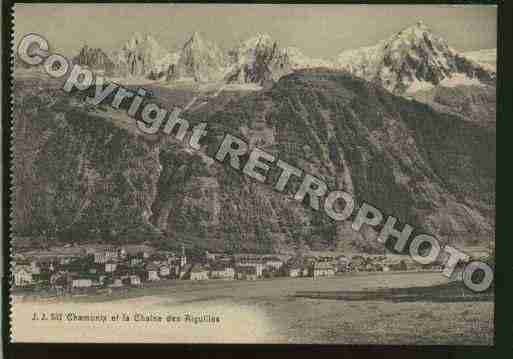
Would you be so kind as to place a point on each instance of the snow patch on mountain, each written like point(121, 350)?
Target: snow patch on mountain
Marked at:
point(298, 60)
point(258, 60)
point(459, 79)
point(418, 85)
point(455, 80)
point(140, 55)
point(410, 59)
point(163, 64)
point(247, 51)
point(362, 62)
point(487, 58)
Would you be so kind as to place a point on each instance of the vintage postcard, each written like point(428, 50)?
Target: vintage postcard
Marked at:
point(230, 173)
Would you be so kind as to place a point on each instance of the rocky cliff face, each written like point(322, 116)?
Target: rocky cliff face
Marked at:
point(141, 55)
point(258, 60)
point(411, 59)
point(165, 66)
point(95, 59)
point(80, 175)
point(200, 60)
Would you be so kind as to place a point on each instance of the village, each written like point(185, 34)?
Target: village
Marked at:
point(75, 269)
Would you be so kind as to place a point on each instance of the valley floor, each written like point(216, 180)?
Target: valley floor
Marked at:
point(363, 308)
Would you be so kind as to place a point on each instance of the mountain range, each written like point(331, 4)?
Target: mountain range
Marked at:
point(427, 157)
point(411, 60)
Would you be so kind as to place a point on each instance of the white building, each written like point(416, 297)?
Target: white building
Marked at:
point(222, 272)
point(164, 271)
point(199, 273)
point(274, 263)
point(183, 258)
point(81, 283)
point(122, 253)
point(152, 272)
point(34, 268)
point(116, 282)
point(294, 272)
point(110, 267)
point(323, 269)
point(22, 276)
point(135, 280)
point(105, 255)
point(134, 261)
point(257, 264)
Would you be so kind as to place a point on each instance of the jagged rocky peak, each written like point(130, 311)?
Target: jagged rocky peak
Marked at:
point(139, 42)
point(414, 32)
point(165, 66)
point(140, 55)
point(95, 59)
point(413, 58)
point(417, 40)
point(195, 41)
point(200, 60)
point(258, 60)
point(254, 43)
point(259, 47)
point(134, 41)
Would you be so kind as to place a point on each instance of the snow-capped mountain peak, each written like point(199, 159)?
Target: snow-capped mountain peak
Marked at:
point(134, 41)
point(140, 55)
point(298, 60)
point(415, 31)
point(200, 60)
point(413, 56)
point(257, 60)
point(258, 40)
point(247, 50)
point(195, 41)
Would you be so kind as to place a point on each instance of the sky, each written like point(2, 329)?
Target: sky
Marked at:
point(318, 30)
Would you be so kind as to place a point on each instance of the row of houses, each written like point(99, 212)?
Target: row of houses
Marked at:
point(112, 267)
point(105, 266)
point(108, 266)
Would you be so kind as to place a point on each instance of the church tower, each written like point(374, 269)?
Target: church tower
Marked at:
point(183, 258)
